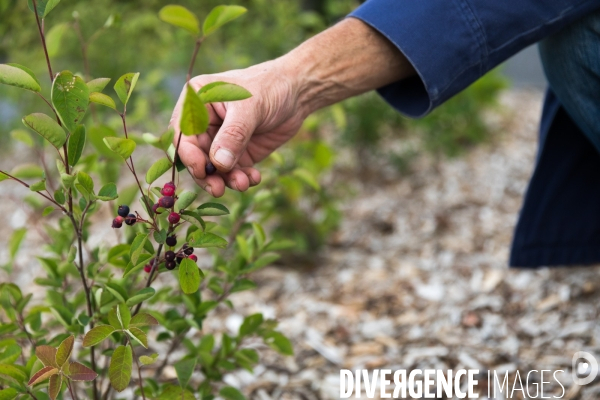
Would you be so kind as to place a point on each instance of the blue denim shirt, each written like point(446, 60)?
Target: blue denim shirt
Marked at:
point(452, 43)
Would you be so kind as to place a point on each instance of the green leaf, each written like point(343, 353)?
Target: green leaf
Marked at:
point(158, 169)
point(85, 182)
point(231, 393)
point(76, 144)
point(307, 178)
point(125, 85)
point(54, 38)
point(119, 371)
point(22, 136)
point(10, 354)
point(102, 99)
point(13, 75)
point(27, 171)
point(47, 128)
point(108, 192)
point(138, 335)
point(206, 239)
point(15, 243)
point(122, 147)
point(212, 209)
point(189, 276)
point(43, 6)
point(175, 392)
point(148, 360)
point(140, 296)
point(97, 335)
point(184, 370)
point(193, 218)
point(194, 116)
point(160, 236)
point(251, 324)
point(279, 342)
point(8, 394)
point(63, 353)
point(142, 319)
point(97, 85)
point(79, 372)
point(38, 186)
point(219, 16)
point(180, 17)
point(124, 315)
point(243, 284)
point(70, 97)
point(143, 259)
point(217, 92)
point(12, 372)
point(48, 210)
point(137, 247)
point(117, 290)
point(185, 200)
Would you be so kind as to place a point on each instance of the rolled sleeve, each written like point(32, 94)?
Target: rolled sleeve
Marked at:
point(452, 43)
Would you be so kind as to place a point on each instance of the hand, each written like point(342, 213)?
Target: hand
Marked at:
point(241, 133)
point(346, 60)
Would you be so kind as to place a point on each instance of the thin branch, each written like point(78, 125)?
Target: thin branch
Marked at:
point(41, 30)
point(137, 363)
point(50, 199)
point(188, 77)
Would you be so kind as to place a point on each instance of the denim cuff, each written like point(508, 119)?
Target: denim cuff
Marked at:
point(441, 40)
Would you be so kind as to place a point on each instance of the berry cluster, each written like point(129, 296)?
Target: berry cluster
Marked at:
point(167, 202)
point(124, 216)
point(172, 258)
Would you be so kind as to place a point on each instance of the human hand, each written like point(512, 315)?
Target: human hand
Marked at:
point(241, 133)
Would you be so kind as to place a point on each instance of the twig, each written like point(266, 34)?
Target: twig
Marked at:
point(137, 363)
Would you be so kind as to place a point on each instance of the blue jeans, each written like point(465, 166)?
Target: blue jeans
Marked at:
point(571, 60)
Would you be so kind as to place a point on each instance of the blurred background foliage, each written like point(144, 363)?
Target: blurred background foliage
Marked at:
point(120, 36)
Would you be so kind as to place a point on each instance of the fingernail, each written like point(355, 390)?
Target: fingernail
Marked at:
point(191, 171)
point(208, 189)
point(225, 158)
point(234, 185)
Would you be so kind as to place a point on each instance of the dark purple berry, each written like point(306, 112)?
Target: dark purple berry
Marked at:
point(173, 218)
point(155, 208)
point(179, 259)
point(171, 265)
point(123, 211)
point(193, 258)
point(117, 222)
point(189, 251)
point(168, 191)
point(170, 255)
point(131, 219)
point(171, 241)
point(210, 169)
point(166, 202)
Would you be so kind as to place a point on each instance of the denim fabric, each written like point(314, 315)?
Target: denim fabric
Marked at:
point(571, 60)
point(451, 43)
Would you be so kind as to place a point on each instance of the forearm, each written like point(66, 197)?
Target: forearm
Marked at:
point(346, 60)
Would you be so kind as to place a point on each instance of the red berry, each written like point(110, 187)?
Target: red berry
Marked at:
point(166, 202)
point(173, 218)
point(148, 268)
point(168, 191)
point(169, 184)
point(193, 258)
point(117, 222)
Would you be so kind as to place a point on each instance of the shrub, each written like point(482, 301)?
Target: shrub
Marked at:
point(103, 311)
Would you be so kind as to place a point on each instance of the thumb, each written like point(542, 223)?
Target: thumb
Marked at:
point(230, 142)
